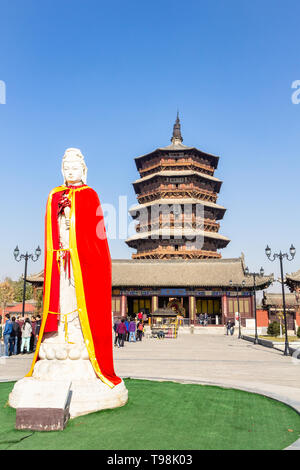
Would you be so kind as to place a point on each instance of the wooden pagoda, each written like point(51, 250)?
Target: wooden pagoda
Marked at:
point(177, 211)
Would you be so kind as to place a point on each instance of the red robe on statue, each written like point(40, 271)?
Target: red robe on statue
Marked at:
point(91, 262)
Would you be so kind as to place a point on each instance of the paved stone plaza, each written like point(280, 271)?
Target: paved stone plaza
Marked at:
point(209, 359)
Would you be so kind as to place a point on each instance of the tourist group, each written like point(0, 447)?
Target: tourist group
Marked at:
point(129, 329)
point(20, 334)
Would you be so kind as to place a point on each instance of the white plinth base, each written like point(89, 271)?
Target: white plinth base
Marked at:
point(87, 396)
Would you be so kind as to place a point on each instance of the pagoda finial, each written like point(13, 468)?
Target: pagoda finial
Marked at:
point(177, 137)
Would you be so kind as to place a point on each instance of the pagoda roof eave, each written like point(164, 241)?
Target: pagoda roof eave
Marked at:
point(177, 174)
point(169, 201)
point(183, 232)
point(177, 148)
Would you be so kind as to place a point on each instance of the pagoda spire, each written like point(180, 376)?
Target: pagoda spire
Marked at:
point(177, 137)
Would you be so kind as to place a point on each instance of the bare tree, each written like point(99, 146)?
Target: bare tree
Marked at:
point(6, 295)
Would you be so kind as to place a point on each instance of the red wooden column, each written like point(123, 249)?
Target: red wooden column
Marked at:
point(123, 305)
point(224, 309)
point(251, 303)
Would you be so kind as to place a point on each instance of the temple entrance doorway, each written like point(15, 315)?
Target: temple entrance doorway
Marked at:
point(179, 304)
point(211, 307)
point(138, 304)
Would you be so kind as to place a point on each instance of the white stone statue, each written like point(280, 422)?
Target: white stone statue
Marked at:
point(71, 350)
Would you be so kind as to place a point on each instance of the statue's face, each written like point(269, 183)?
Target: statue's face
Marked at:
point(73, 171)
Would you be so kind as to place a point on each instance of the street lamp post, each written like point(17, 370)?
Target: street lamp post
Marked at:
point(281, 255)
point(237, 288)
point(27, 256)
point(255, 275)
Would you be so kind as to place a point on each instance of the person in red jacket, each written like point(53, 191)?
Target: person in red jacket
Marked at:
point(140, 316)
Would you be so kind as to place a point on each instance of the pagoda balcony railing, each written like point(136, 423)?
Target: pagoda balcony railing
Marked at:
point(187, 161)
point(187, 165)
point(169, 253)
point(172, 223)
point(191, 192)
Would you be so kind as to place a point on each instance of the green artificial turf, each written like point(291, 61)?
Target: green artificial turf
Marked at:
point(166, 415)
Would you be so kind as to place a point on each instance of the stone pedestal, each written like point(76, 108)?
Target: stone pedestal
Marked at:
point(87, 396)
point(43, 406)
point(60, 362)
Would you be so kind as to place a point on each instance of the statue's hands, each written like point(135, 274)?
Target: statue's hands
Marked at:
point(67, 215)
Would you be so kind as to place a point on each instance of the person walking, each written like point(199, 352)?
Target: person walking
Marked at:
point(116, 323)
point(26, 335)
point(37, 330)
point(139, 333)
point(121, 330)
point(1, 337)
point(127, 330)
point(20, 322)
point(232, 325)
point(33, 325)
point(132, 328)
point(6, 335)
point(15, 335)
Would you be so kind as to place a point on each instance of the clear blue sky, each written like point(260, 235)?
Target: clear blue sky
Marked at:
point(108, 77)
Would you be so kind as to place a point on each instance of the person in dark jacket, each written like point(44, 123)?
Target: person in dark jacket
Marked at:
point(116, 332)
point(20, 322)
point(33, 323)
point(14, 337)
point(121, 330)
point(37, 330)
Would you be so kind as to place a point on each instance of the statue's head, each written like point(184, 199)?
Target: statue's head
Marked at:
point(74, 169)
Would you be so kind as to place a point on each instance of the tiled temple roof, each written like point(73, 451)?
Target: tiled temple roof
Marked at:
point(275, 300)
point(207, 273)
point(184, 273)
point(294, 277)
